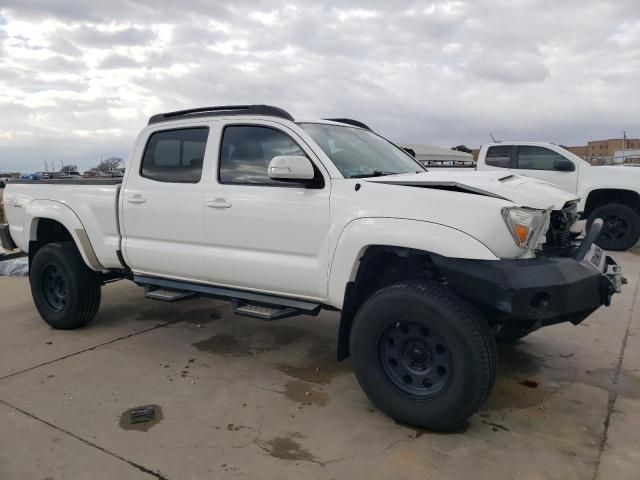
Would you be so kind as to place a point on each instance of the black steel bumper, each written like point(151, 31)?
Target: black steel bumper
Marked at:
point(549, 290)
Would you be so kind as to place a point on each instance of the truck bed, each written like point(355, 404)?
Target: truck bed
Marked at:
point(91, 205)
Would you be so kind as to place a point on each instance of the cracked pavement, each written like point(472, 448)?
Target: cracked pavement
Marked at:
point(242, 398)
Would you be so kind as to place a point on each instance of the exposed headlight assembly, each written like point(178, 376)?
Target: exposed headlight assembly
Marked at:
point(526, 224)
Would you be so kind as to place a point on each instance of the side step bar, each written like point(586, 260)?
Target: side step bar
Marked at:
point(166, 295)
point(257, 305)
point(263, 312)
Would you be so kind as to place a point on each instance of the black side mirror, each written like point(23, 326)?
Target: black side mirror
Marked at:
point(564, 165)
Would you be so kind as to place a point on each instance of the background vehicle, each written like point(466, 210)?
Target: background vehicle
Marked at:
point(286, 218)
point(31, 176)
point(608, 192)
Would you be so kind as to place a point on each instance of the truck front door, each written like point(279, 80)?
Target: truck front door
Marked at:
point(546, 164)
point(264, 234)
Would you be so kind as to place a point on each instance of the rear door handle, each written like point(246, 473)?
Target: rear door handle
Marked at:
point(218, 203)
point(136, 199)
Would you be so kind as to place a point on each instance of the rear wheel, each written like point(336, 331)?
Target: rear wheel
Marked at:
point(65, 291)
point(621, 228)
point(422, 355)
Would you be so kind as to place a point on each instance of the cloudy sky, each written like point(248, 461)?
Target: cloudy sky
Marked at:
point(78, 79)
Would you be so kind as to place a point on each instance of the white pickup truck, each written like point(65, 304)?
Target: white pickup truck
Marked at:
point(608, 192)
point(287, 217)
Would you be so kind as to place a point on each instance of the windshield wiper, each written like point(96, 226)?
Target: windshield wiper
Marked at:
point(375, 173)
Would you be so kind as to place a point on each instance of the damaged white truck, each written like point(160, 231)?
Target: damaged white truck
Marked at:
point(286, 217)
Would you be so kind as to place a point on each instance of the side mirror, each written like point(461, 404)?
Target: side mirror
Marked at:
point(564, 165)
point(291, 167)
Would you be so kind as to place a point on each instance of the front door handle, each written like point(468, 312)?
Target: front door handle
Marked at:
point(218, 203)
point(136, 199)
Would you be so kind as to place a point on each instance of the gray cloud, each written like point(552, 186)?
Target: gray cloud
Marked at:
point(78, 79)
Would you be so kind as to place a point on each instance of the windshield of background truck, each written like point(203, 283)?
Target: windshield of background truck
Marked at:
point(360, 153)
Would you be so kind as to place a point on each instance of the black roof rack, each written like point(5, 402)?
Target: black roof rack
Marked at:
point(349, 121)
point(222, 110)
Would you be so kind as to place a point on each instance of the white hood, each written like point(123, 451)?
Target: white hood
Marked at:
point(523, 191)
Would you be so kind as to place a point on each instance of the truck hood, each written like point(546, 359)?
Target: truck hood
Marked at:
point(523, 191)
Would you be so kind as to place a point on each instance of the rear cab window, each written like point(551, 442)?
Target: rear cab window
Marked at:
point(175, 155)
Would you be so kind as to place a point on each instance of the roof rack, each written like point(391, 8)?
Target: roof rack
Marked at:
point(349, 121)
point(222, 110)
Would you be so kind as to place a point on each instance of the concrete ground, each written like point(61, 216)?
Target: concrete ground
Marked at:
point(241, 398)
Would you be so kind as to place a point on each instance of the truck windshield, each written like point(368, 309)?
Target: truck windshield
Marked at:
point(360, 153)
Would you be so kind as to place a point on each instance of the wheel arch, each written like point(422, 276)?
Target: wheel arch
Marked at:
point(49, 221)
point(372, 253)
point(601, 196)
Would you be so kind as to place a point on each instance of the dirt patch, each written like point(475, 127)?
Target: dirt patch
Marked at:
point(255, 339)
point(322, 373)
point(628, 384)
point(305, 394)
point(125, 423)
point(287, 448)
point(520, 382)
point(321, 365)
point(635, 250)
point(168, 314)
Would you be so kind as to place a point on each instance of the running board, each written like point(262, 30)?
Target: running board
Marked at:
point(248, 302)
point(163, 295)
point(263, 312)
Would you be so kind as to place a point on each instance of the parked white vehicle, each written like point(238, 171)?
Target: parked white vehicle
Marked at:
point(608, 192)
point(288, 217)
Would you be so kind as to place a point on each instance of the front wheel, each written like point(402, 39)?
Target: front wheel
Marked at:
point(621, 228)
point(65, 291)
point(423, 355)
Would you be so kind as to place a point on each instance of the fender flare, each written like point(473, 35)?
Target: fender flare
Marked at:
point(63, 214)
point(362, 233)
point(584, 198)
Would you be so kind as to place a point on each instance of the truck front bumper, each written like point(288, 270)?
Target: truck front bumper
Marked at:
point(547, 290)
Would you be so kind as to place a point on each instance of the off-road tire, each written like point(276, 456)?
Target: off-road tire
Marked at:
point(439, 312)
point(627, 231)
point(65, 291)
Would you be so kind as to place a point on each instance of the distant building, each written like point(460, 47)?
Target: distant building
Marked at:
point(581, 151)
point(603, 151)
point(627, 156)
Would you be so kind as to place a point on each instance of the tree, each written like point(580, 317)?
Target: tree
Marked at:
point(69, 168)
point(462, 148)
point(109, 164)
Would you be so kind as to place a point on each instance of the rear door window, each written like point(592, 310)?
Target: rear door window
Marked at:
point(499, 156)
point(175, 156)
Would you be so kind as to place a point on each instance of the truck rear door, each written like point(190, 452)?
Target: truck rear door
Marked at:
point(163, 204)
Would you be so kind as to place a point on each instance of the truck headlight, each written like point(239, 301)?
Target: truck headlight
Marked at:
point(525, 224)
